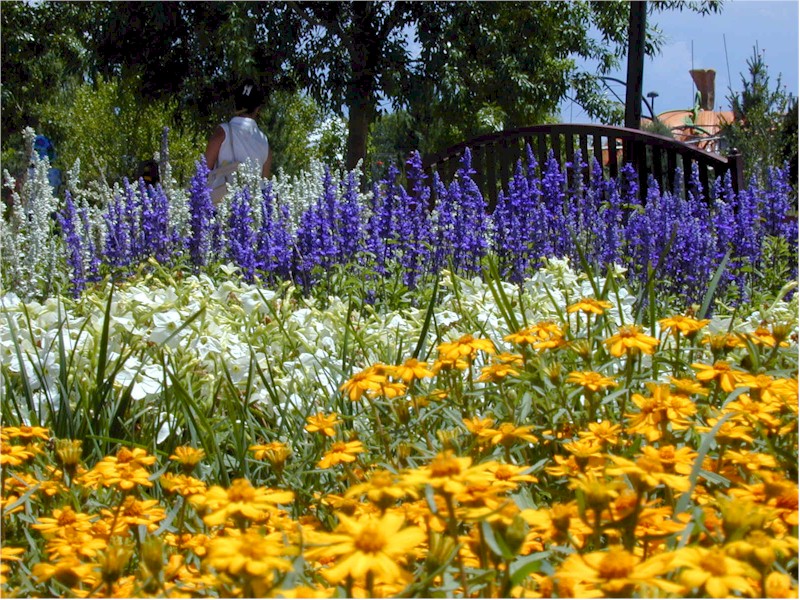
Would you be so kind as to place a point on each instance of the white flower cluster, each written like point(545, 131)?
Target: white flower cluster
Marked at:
point(299, 351)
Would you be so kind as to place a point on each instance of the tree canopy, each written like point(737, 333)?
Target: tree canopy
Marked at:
point(443, 63)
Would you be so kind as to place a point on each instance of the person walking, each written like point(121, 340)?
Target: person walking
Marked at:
point(238, 140)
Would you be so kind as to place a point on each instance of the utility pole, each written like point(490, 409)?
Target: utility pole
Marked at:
point(633, 91)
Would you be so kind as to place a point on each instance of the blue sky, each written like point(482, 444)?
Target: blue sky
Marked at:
point(695, 41)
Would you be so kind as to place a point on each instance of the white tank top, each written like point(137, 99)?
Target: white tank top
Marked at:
point(249, 142)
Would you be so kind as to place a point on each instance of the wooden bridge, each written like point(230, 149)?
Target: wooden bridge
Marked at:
point(494, 156)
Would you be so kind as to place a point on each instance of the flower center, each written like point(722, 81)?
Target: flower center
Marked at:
point(714, 564)
point(67, 517)
point(241, 491)
point(371, 539)
point(615, 565)
point(445, 466)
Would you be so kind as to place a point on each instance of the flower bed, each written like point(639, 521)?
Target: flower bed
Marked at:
point(218, 438)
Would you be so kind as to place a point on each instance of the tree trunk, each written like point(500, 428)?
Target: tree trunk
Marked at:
point(359, 119)
point(365, 48)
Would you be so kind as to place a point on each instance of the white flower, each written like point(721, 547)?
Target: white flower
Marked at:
point(165, 324)
point(168, 426)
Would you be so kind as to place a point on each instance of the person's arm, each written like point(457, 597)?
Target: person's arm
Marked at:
point(214, 144)
point(266, 169)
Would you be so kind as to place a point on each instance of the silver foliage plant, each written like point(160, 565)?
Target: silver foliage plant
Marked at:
point(30, 251)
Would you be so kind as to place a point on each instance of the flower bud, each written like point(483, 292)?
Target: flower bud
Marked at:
point(153, 554)
point(68, 455)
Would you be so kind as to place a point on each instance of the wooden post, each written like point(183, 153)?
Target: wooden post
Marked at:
point(633, 87)
point(737, 169)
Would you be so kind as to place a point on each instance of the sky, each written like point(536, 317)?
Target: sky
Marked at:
point(699, 41)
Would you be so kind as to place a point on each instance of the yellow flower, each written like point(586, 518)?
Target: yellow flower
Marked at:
point(450, 364)
point(510, 358)
point(125, 470)
point(647, 473)
point(447, 473)
point(241, 502)
point(508, 477)
point(713, 572)
point(604, 433)
point(369, 379)
point(559, 523)
point(341, 452)
point(274, 452)
point(249, 555)
point(62, 518)
point(765, 337)
point(478, 426)
point(720, 371)
point(591, 380)
point(185, 485)
point(68, 571)
point(754, 412)
point(616, 572)
point(508, 434)
point(730, 431)
point(659, 410)
point(26, 432)
point(383, 488)
point(761, 549)
point(323, 423)
point(388, 389)
point(767, 388)
point(70, 541)
point(187, 457)
point(496, 372)
point(135, 512)
point(720, 342)
point(194, 542)
point(779, 585)
point(597, 493)
point(630, 339)
point(125, 476)
point(672, 459)
point(14, 455)
point(586, 451)
point(590, 305)
point(688, 387)
point(465, 347)
point(683, 325)
point(752, 461)
point(8, 554)
point(412, 369)
point(377, 545)
point(541, 336)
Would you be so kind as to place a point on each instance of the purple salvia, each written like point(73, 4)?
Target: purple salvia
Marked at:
point(68, 220)
point(241, 237)
point(201, 215)
point(117, 246)
point(274, 244)
point(471, 219)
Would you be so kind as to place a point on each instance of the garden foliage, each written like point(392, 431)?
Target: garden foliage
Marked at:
point(312, 391)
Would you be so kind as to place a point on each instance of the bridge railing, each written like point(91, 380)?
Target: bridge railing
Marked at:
point(494, 156)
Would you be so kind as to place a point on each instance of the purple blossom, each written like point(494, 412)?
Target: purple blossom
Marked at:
point(201, 215)
point(273, 241)
point(240, 234)
point(68, 219)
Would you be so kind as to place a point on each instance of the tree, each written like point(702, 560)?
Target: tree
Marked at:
point(442, 62)
point(41, 53)
point(762, 128)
